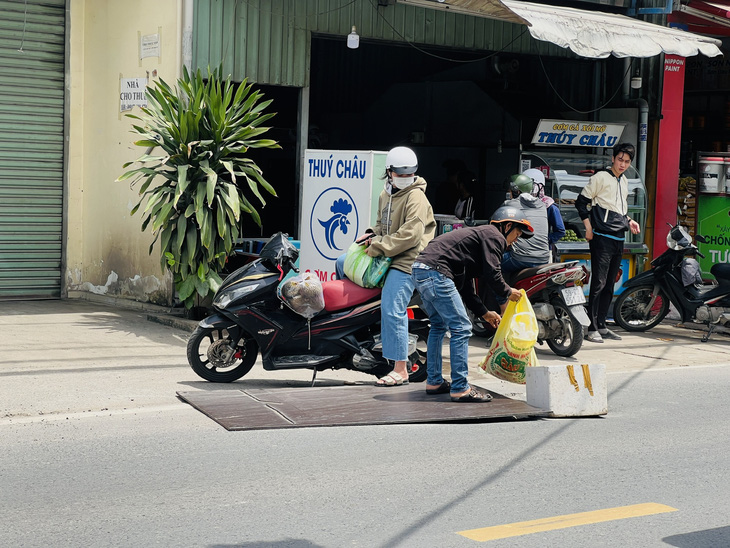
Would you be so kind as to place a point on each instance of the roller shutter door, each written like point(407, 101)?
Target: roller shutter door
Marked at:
point(32, 57)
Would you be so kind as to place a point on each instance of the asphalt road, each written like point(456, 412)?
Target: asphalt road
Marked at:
point(98, 451)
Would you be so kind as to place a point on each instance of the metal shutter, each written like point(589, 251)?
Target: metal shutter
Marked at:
point(32, 57)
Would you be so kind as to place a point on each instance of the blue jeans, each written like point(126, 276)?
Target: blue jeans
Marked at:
point(396, 295)
point(340, 267)
point(397, 292)
point(511, 264)
point(445, 310)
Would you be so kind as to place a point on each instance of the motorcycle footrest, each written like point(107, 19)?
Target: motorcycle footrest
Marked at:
point(302, 360)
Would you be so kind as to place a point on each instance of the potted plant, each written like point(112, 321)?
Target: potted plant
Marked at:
point(201, 180)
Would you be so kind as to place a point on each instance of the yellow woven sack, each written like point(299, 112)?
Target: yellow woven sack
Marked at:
point(513, 345)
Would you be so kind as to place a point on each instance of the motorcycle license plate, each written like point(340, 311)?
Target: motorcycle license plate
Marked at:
point(573, 295)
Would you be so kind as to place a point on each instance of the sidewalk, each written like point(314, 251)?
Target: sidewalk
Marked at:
point(78, 356)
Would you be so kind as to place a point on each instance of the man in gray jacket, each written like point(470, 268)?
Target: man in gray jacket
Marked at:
point(536, 250)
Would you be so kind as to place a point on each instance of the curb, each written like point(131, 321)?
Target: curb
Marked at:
point(155, 313)
point(173, 321)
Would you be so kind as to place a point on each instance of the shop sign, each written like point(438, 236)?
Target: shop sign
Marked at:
point(132, 93)
point(714, 225)
point(574, 133)
point(340, 191)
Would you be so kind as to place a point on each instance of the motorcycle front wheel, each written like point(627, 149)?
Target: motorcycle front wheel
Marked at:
point(220, 355)
point(479, 328)
point(630, 312)
point(572, 337)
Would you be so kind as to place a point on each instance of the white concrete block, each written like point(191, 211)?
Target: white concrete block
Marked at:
point(552, 387)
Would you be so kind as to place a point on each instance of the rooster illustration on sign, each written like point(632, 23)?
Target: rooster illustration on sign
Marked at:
point(341, 209)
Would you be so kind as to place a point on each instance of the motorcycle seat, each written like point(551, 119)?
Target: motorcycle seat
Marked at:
point(339, 294)
point(721, 272)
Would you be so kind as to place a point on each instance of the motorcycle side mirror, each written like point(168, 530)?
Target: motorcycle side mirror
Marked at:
point(700, 238)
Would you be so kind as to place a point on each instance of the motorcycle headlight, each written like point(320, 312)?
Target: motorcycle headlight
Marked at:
point(222, 300)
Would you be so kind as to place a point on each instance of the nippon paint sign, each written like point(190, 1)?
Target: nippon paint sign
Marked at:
point(572, 133)
point(341, 189)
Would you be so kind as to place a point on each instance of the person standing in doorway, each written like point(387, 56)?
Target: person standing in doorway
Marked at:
point(602, 206)
point(466, 183)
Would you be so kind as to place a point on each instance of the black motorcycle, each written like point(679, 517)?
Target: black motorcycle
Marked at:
point(251, 318)
point(645, 300)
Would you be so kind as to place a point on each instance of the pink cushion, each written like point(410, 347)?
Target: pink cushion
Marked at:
point(339, 294)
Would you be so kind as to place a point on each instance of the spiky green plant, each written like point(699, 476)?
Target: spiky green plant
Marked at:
point(196, 190)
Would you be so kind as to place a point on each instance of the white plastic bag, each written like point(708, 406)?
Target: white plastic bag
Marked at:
point(303, 294)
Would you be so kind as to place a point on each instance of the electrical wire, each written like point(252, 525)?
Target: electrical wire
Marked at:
point(375, 8)
point(439, 56)
point(25, 21)
point(555, 91)
point(269, 12)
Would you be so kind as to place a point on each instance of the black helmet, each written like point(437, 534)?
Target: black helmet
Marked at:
point(509, 214)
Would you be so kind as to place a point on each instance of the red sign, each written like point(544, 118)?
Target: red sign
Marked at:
point(670, 131)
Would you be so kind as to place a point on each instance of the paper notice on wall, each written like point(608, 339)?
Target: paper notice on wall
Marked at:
point(132, 93)
point(149, 46)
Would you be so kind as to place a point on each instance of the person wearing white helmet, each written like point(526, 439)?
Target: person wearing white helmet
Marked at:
point(405, 224)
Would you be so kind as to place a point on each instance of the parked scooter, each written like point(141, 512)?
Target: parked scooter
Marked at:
point(556, 294)
point(645, 300)
point(251, 318)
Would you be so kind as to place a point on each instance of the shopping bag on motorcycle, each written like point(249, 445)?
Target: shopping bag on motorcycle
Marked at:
point(364, 270)
point(302, 293)
point(513, 345)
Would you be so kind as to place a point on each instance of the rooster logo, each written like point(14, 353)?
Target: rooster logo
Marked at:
point(340, 208)
point(334, 222)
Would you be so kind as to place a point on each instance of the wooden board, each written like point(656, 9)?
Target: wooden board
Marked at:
point(256, 409)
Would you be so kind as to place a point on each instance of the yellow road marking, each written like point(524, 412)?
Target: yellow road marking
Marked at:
point(562, 522)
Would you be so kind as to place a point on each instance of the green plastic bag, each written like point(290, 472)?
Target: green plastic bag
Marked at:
point(364, 270)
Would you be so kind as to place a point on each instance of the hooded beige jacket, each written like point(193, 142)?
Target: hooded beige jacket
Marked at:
point(404, 226)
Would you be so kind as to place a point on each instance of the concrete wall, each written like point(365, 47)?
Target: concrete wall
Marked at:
point(106, 252)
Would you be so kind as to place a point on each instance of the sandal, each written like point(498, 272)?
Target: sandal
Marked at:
point(391, 379)
point(474, 396)
point(443, 388)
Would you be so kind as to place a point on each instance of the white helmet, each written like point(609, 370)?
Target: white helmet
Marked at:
point(536, 175)
point(678, 238)
point(538, 178)
point(401, 160)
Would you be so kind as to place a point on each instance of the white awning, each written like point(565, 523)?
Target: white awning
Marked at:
point(590, 34)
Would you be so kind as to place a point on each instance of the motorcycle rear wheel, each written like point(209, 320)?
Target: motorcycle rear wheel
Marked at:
point(416, 365)
point(628, 305)
point(206, 348)
point(572, 341)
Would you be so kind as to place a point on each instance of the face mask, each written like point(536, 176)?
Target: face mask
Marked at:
point(403, 182)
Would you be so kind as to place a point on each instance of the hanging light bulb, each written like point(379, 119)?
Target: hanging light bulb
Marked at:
point(353, 40)
point(636, 81)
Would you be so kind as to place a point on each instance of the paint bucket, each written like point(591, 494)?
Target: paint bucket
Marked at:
point(712, 175)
